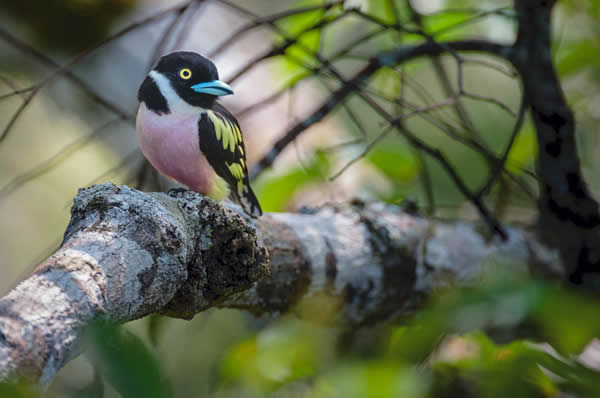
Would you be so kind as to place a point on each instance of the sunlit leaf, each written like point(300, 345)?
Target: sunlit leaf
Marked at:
point(523, 151)
point(299, 57)
point(400, 167)
point(384, 10)
point(373, 379)
point(240, 363)
point(275, 192)
point(575, 57)
point(447, 25)
point(388, 82)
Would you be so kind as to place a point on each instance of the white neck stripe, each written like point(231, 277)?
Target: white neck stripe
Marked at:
point(176, 104)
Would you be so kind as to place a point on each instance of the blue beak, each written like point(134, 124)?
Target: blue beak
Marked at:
point(216, 87)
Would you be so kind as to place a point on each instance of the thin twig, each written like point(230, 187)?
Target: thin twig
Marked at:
point(473, 19)
point(49, 164)
point(509, 72)
point(501, 163)
point(427, 183)
point(129, 158)
point(396, 122)
point(391, 58)
point(364, 152)
point(159, 48)
point(95, 96)
point(439, 156)
point(339, 54)
point(16, 92)
point(17, 113)
point(351, 115)
point(490, 100)
point(287, 43)
point(78, 58)
point(187, 25)
point(260, 21)
point(9, 82)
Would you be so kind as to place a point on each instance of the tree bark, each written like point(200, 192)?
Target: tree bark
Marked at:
point(127, 254)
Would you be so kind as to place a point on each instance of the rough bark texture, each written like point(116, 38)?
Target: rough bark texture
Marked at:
point(127, 254)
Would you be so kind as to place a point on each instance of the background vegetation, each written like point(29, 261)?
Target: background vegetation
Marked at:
point(509, 336)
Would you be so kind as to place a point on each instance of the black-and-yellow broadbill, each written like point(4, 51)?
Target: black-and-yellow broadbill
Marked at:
point(187, 135)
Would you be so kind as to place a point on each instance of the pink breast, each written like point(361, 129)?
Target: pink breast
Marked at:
point(171, 144)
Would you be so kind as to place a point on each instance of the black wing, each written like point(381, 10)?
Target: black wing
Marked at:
point(222, 143)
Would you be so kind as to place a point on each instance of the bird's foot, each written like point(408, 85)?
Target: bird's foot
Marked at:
point(176, 192)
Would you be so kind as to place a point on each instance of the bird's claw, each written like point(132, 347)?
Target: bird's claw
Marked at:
point(177, 191)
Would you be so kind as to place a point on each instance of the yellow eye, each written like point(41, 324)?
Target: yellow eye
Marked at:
point(185, 73)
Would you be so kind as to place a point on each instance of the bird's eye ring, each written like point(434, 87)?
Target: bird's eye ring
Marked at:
point(185, 73)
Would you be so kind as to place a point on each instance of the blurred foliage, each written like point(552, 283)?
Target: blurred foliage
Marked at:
point(81, 22)
point(277, 191)
point(436, 354)
point(125, 362)
point(454, 347)
point(300, 27)
point(18, 390)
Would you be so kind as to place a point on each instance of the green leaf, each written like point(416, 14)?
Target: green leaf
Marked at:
point(299, 27)
point(447, 25)
point(576, 326)
point(575, 57)
point(239, 365)
point(388, 82)
point(276, 191)
point(498, 371)
point(381, 9)
point(400, 167)
point(125, 362)
point(523, 151)
point(373, 379)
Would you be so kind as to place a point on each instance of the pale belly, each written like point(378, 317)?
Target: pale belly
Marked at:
point(172, 145)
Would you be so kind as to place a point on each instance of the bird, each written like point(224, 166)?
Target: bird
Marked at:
point(187, 135)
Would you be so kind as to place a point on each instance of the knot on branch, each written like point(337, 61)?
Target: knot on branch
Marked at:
point(187, 252)
point(227, 257)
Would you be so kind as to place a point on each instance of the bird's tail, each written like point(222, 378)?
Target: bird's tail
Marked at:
point(247, 199)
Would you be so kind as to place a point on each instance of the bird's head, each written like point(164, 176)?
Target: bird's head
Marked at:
point(182, 82)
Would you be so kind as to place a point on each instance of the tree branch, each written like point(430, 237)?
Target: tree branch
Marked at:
point(391, 58)
point(127, 254)
point(569, 218)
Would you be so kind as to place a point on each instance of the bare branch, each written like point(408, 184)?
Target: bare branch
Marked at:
point(391, 58)
point(258, 21)
point(364, 152)
point(77, 59)
point(490, 100)
point(569, 216)
point(127, 254)
point(49, 164)
point(500, 165)
point(159, 48)
point(95, 96)
point(17, 113)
